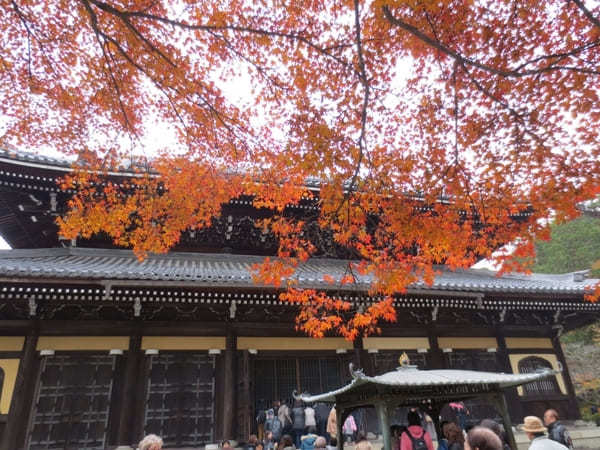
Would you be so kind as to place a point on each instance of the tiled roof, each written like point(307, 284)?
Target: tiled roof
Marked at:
point(227, 270)
point(411, 378)
point(35, 158)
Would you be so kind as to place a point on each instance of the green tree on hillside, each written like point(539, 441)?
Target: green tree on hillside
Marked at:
point(574, 246)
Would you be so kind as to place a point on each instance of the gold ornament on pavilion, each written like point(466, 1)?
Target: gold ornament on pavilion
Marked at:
point(404, 360)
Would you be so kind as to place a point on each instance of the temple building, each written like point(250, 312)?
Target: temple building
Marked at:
point(99, 348)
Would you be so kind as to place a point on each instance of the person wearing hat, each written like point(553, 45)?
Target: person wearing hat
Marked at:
point(536, 432)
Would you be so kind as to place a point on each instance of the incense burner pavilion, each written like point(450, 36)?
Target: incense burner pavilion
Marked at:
point(98, 348)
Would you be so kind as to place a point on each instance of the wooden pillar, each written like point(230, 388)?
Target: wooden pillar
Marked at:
point(511, 394)
point(573, 407)
point(384, 421)
point(17, 424)
point(129, 410)
point(229, 387)
point(359, 357)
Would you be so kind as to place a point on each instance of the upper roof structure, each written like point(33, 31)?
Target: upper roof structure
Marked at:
point(231, 270)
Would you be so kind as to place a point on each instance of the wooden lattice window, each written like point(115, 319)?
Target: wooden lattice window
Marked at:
point(278, 378)
point(472, 360)
point(180, 398)
point(542, 387)
point(72, 402)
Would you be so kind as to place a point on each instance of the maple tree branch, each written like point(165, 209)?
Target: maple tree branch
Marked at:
point(586, 12)
point(227, 122)
point(365, 82)
point(98, 33)
point(511, 73)
point(197, 27)
point(455, 115)
point(511, 110)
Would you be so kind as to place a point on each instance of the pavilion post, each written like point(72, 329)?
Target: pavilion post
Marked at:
point(384, 421)
point(499, 402)
point(339, 413)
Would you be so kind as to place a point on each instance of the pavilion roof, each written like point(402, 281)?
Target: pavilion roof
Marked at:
point(412, 384)
point(234, 270)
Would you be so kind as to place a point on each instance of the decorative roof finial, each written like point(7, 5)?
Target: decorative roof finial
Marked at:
point(404, 360)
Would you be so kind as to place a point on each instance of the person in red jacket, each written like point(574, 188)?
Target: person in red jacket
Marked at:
point(415, 437)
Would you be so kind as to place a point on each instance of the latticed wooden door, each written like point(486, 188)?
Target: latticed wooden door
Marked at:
point(476, 360)
point(72, 403)
point(180, 398)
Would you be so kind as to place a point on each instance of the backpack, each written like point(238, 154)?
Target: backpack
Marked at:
point(560, 434)
point(308, 443)
point(418, 443)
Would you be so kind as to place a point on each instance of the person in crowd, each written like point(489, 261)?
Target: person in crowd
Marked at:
point(556, 430)
point(260, 419)
point(151, 442)
point(429, 426)
point(395, 433)
point(297, 422)
point(461, 412)
point(310, 420)
point(273, 425)
point(284, 416)
point(349, 428)
point(225, 444)
point(536, 432)
point(270, 443)
point(332, 444)
point(320, 442)
point(455, 437)
point(496, 428)
point(286, 443)
point(362, 443)
point(307, 441)
point(322, 414)
point(253, 443)
point(442, 441)
point(415, 437)
point(480, 438)
point(332, 424)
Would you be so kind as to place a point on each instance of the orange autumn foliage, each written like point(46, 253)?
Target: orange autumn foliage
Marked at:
point(440, 130)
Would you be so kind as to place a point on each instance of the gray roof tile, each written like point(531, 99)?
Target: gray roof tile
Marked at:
point(234, 270)
point(411, 378)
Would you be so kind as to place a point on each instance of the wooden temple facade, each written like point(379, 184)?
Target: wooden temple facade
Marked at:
point(98, 349)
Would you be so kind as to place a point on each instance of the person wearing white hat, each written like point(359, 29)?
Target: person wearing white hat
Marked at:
point(151, 442)
point(536, 432)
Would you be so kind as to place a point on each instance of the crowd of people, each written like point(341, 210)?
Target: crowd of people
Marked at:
point(315, 428)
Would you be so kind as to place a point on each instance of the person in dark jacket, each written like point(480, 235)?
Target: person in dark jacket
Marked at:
point(297, 422)
point(322, 414)
point(273, 425)
point(556, 430)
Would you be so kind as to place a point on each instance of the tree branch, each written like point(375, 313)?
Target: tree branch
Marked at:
point(512, 73)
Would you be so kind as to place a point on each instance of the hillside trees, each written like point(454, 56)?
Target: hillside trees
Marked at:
point(440, 129)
